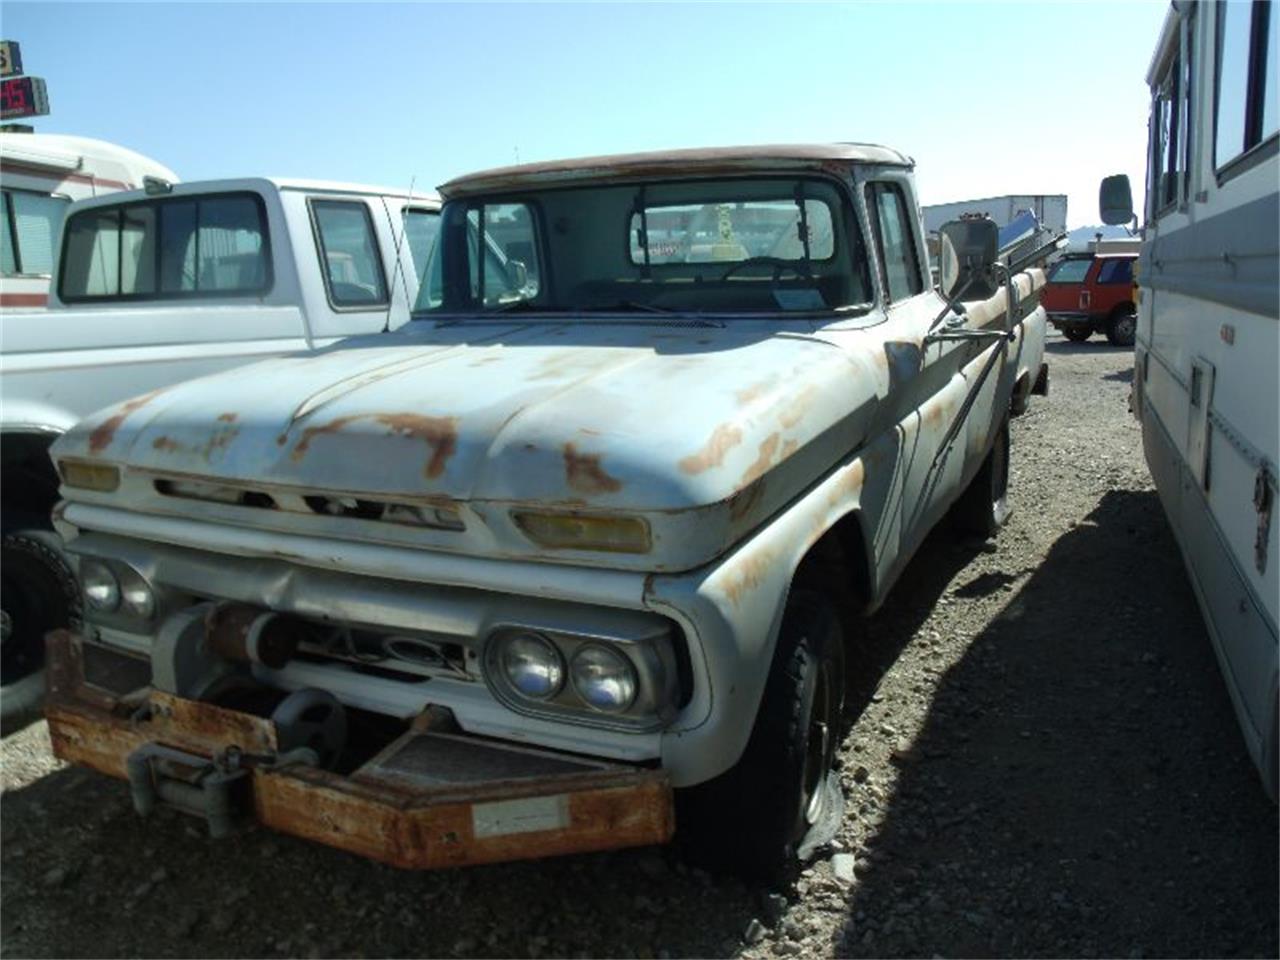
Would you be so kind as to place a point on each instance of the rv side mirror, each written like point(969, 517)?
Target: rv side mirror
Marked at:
point(966, 254)
point(1115, 200)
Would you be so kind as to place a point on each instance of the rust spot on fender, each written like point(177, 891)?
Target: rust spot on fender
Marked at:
point(849, 484)
point(789, 448)
point(723, 439)
point(582, 471)
point(749, 574)
point(764, 461)
point(753, 392)
point(105, 432)
point(167, 444)
point(439, 433)
point(797, 407)
point(227, 417)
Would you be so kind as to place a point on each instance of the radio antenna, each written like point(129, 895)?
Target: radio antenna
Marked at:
point(399, 272)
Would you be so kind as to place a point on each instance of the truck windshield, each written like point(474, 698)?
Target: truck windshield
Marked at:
point(747, 245)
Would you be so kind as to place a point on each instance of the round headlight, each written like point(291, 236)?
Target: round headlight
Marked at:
point(137, 600)
point(101, 589)
point(603, 678)
point(533, 666)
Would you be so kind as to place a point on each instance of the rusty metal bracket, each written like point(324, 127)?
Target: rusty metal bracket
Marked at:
point(211, 789)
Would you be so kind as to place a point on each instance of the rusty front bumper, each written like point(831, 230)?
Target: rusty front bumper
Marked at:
point(393, 808)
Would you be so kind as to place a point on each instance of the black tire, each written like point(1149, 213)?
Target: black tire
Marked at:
point(38, 593)
point(983, 508)
point(753, 819)
point(1122, 328)
point(1077, 334)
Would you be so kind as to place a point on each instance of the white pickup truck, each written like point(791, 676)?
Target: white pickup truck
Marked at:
point(159, 286)
point(573, 556)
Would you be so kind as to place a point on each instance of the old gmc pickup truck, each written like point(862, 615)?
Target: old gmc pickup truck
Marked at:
point(572, 558)
point(160, 286)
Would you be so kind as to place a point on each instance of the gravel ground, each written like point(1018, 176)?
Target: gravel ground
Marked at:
point(1043, 761)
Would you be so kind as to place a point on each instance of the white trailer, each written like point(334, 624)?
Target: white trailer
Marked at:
point(1050, 210)
point(41, 174)
point(1208, 342)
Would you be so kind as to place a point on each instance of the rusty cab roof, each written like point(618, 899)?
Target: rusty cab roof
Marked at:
point(705, 161)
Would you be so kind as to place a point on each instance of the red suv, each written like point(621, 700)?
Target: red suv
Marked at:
point(1093, 293)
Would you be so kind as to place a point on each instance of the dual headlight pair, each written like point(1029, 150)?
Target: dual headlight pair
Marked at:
point(628, 680)
point(602, 678)
point(114, 588)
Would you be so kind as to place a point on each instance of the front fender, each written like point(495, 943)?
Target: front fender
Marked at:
point(732, 611)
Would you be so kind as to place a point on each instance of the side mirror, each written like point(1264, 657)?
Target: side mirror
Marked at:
point(966, 255)
point(517, 274)
point(1115, 200)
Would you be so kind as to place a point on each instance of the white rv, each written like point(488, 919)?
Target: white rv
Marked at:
point(41, 173)
point(1208, 339)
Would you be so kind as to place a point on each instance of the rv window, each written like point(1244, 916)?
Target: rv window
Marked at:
point(349, 253)
point(164, 248)
point(901, 269)
point(1248, 40)
point(1170, 149)
point(33, 222)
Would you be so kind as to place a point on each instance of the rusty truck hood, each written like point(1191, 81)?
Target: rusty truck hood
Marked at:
point(631, 419)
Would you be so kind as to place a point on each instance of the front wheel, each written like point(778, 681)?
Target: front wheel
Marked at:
point(756, 818)
point(983, 508)
point(38, 593)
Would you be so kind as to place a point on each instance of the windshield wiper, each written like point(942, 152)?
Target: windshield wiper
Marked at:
point(690, 317)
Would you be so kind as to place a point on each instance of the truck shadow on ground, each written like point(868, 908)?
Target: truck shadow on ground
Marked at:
point(1083, 746)
point(74, 848)
point(1091, 347)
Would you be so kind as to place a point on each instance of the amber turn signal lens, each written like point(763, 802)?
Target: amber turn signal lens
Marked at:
point(89, 476)
point(572, 531)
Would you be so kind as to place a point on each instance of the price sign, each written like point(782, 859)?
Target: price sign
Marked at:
point(10, 59)
point(23, 97)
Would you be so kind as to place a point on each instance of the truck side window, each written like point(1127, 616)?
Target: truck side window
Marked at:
point(170, 247)
point(510, 269)
point(29, 237)
point(900, 265)
point(349, 255)
point(1119, 270)
point(1246, 111)
point(1070, 271)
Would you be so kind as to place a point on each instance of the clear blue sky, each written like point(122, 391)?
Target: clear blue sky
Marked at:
point(989, 98)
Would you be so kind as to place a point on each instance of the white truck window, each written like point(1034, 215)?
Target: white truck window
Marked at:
point(32, 225)
point(421, 227)
point(349, 253)
point(165, 248)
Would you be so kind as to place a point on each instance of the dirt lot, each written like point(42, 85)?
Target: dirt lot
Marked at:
point(1044, 762)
